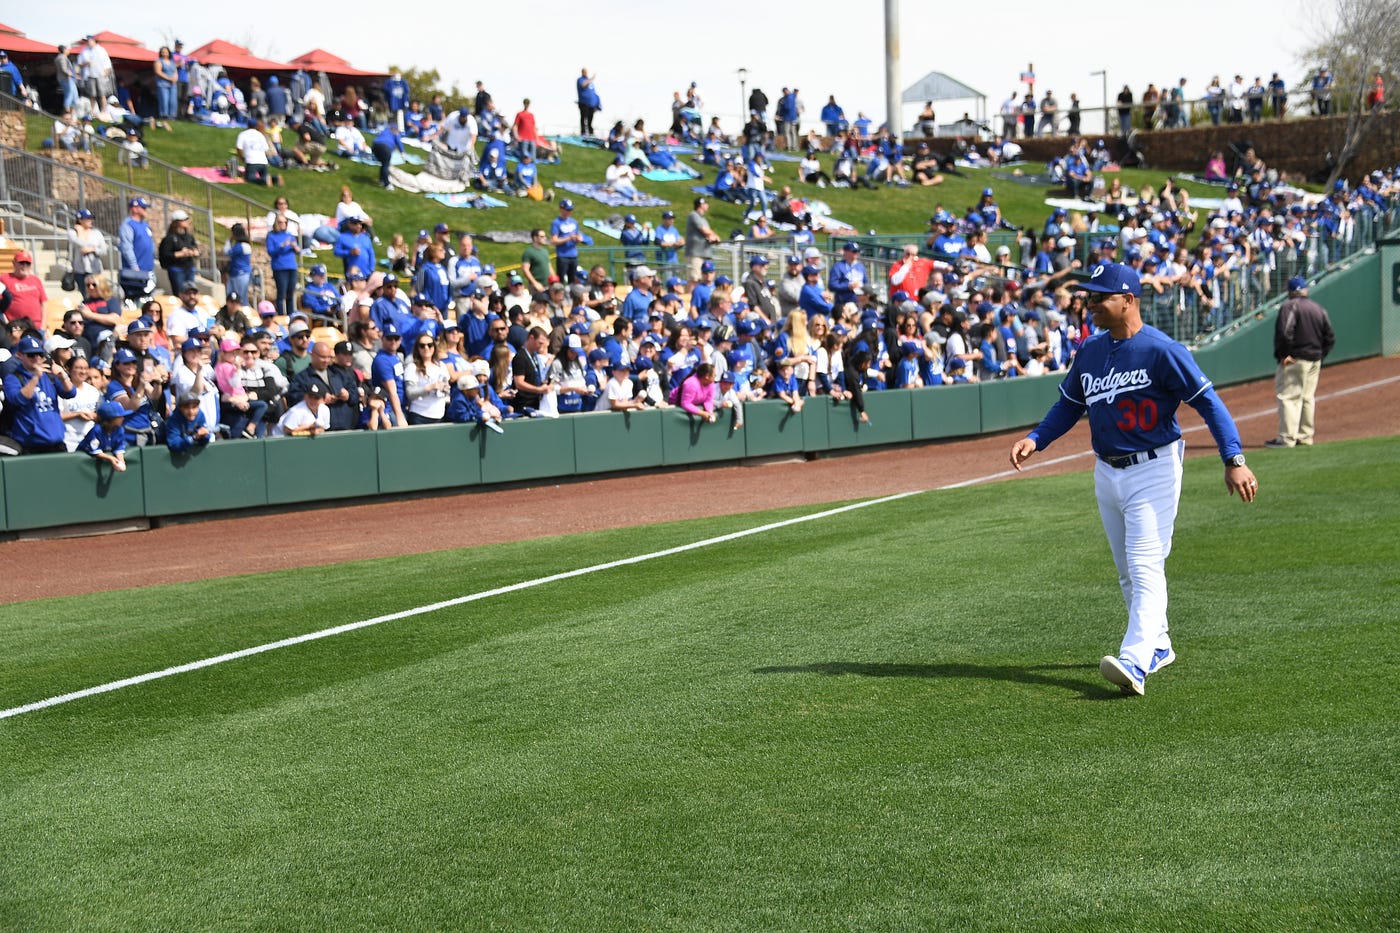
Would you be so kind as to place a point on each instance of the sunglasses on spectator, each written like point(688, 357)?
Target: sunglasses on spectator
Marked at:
point(428, 343)
point(392, 337)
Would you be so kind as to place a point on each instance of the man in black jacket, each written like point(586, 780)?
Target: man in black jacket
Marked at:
point(343, 396)
point(1302, 338)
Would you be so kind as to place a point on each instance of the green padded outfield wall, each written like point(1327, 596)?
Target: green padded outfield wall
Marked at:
point(773, 428)
point(687, 439)
point(301, 469)
point(1014, 403)
point(177, 484)
point(605, 442)
point(891, 421)
point(431, 457)
point(45, 490)
point(533, 448)
point(950, 411)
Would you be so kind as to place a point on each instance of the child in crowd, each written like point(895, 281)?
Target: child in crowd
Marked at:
point(187, 427)
point(729, 399)
point(618, 395)
point(106, 440)
point(785, 386)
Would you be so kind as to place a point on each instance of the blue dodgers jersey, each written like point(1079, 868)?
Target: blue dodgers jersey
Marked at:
point(1132, 389)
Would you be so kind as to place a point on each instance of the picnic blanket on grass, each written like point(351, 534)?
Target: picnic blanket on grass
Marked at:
point(214, 174)
point(398, 159)
point(605, 228)
point(685, 173)
point(467, 199)
point(610, 198)
point(587, 142)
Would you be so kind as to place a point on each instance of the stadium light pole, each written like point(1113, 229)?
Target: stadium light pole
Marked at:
point(1103, 73)
point(743, 96)
point(892, 107)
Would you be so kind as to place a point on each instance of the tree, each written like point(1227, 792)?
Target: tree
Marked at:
point(423, 83)
point(1360, 39)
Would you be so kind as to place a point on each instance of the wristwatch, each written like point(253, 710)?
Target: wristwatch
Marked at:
point(1236, 461)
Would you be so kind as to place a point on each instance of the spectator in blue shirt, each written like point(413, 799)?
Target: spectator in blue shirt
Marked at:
point(833, 116)
point(588, 103)
point(354, 247)
point(385, 144)
point(32, 391)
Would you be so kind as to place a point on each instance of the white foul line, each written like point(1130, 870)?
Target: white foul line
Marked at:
point(529, 584)
point(434, 607)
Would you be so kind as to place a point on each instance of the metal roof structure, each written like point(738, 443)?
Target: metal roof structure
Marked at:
point(937, 86)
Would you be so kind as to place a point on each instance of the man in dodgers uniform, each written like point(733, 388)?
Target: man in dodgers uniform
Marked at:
point(1131, 379)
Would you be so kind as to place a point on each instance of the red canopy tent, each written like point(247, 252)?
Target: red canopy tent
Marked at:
point(122, 49)
point(236, 60)
point(333, 65)
point(22, 48)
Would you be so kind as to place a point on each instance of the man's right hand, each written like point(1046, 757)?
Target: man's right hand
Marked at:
point(1022, 451)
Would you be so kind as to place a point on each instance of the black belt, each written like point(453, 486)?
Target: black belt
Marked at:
point(1127, 460)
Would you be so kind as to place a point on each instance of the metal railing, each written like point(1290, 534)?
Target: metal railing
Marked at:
point(52, 191)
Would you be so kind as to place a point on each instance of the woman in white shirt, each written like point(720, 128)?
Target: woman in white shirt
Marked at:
point(426, 383)
point(80, 411)
point(349, 207)
point(620, 177)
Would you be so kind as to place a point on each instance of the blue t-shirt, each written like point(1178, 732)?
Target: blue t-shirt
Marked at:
point(1131, 390)
point(565, 227)
point(140, 418)
point(320, 299)
point(99, 440)
point(388, 368)
point(37, 421)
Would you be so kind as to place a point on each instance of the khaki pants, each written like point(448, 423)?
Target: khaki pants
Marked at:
point(692, 267)
point(1295, 384)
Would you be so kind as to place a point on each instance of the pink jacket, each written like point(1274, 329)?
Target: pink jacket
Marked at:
point(697, 398)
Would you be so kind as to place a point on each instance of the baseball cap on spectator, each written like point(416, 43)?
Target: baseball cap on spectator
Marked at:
point(899, 296)
point(575, 343)
point(954, 363)
point(811, 252)
point(318, 269)
point(595, 356)
point(1297, 283)
point(191, 343)
point(910, 347)
point(579, 328)
point(643, 364)
point(266, 309)
point(354, 275)
point(345, 346)
point(707, 266)
point(723, 280)
point(421, 299)
point(1113, 278)
point(481, 368)
point(1064, 241)
point(724, 332)
point(811, 270)
point(138, 202)
point(851, 247)
point(175, 215)
point(566, 205)
point(228, 345)
point(189, 287)
point(450, 324)
point(644, 271)
point(1003, 250)
point(121, 356)
point(441, 227)
point(668, 215)
point(986, 192)
point(316, 389)
point(485, 282)
point(727, 376)
point(378, 392)
point(83, 214)
point(140, 325)
point(24, 256)
point(109, 411)
point(57, 342)
point(794, 260)
point(389, 329)
point(758, 261)
point(674, 280)
point(298, 327)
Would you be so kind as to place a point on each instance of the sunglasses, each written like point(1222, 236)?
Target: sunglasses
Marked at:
point(428, 345)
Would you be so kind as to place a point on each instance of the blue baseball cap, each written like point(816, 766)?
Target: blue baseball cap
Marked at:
point(596, 356)
point(110, 410)
point(83, 214)
point(758, 261)
point(121, 356)
point(668, 215)
point(707, 266)
point(900, 296)
point(793, 259)
point(138, 202)
point(390, 329)
point(643, 364)
point(674, 280)
point(1114, 277)
point(30, 345)
point(986, 192)
point(191, 343)
point(1297, 283)
point(811, 270)
point(318, 269)
point(723, 280)
point(566, 205)
point(851, 247)
point(630, 219)
point(140, 325)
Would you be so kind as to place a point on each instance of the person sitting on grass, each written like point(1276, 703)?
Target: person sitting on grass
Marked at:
point(106, 439)
point(621, 179)
point(492, 175)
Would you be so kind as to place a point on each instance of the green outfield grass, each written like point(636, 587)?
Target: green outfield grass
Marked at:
point(887, 719)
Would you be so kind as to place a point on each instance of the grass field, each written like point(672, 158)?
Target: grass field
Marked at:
point(890, 718)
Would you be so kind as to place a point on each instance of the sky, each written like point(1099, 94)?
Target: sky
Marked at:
point(641, 52)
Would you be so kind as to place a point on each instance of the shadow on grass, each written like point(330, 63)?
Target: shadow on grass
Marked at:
point(1033, 674)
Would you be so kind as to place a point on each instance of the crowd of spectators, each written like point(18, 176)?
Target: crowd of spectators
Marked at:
point(441, 337)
